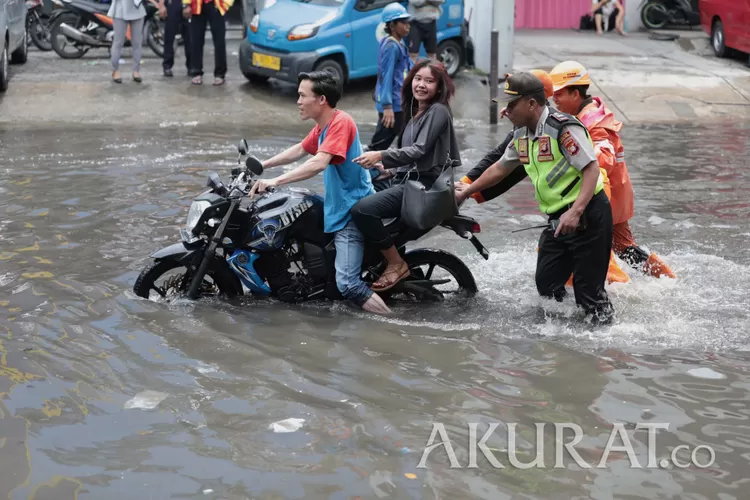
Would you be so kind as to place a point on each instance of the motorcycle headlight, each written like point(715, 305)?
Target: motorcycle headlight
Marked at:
point(195, 212)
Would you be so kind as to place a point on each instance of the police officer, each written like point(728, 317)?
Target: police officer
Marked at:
point(176, 23)
point(557, 153)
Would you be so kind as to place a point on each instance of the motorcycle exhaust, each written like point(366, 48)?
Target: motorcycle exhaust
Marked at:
point(76, 35)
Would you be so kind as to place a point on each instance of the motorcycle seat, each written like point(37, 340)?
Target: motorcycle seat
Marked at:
point(101, 8)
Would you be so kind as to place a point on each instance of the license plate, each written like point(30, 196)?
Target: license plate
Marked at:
point(266, 61)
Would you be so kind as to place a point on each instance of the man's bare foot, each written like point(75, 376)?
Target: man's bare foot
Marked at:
point(376, 305)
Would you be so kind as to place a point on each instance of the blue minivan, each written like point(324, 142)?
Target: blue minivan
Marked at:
point(290, 36)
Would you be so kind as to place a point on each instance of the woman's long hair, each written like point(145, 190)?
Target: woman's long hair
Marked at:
point(445, 87)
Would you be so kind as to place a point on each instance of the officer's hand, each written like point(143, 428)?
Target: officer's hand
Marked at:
point(187, 12)
point(261, 186)
point(162, 10)
point(389, 118)
point(568, 223)
point(460, 186)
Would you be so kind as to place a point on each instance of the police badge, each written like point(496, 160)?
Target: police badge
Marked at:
point(523, 149)
point(545, 149)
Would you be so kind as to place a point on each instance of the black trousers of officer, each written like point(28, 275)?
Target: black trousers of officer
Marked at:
point(585, 253)
point(174, 24)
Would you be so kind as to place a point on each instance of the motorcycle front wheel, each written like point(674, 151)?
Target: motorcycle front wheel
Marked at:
point(39, 32)
point(168, 279)
point(155, 35)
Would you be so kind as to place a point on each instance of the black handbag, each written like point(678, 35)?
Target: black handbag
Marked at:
point(423, 208)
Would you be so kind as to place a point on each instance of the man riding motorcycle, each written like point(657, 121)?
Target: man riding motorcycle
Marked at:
point(571, 82)
point(334, 142)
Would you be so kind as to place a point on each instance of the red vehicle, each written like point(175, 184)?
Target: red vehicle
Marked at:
point(728, 24)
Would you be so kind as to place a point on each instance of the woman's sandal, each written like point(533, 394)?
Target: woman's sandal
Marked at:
point(385, 283)
point(116, 80)
point(137, 79)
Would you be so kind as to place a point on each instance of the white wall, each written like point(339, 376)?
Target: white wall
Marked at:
point(632, 15)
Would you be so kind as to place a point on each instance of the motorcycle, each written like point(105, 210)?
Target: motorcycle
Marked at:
point(84, 24)
point(656, 14)
point(274, 246)
point(37, 25)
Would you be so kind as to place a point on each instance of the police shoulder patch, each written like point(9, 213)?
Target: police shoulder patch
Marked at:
point(569, 143)
point(559, 116)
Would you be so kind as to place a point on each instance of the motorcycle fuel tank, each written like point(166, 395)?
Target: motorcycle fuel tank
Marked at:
point(275, 213)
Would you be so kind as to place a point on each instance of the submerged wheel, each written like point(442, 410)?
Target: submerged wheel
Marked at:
point(219, 281)
point(451, 276)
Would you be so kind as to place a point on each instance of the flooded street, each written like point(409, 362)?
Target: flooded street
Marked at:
point(106, 395)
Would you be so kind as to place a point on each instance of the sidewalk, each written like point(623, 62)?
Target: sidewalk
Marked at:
point(646, 80)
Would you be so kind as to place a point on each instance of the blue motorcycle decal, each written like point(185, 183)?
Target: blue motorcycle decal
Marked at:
point(242, 263)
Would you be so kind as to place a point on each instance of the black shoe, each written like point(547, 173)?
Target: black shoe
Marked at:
point(168, 72)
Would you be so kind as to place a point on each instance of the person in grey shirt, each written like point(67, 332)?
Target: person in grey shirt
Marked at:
point(424, 15)
point(427, 146)
point(124, 13)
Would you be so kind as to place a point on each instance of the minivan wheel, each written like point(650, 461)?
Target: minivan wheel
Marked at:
point(4, 69)
point(717, 39)
point(451, 55)
point(21, 54)
point(332, 67)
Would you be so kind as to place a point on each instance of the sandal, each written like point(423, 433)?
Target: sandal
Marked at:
point(197, 80)
point(218, 81)
point(385, 283)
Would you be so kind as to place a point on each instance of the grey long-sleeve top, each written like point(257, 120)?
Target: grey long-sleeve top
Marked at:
point(428, 142)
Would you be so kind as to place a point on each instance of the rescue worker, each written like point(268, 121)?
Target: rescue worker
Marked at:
point(558, 155)
point(571, 83)
point(614, 273)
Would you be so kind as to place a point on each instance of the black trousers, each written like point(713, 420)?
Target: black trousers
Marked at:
point(210, 16)
point(369, 212)
point(585, 253)
point(176, 23)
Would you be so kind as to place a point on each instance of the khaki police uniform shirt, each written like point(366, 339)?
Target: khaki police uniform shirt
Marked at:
point(573, 142)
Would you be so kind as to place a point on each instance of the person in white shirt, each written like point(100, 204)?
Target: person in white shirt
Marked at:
point(603, 9)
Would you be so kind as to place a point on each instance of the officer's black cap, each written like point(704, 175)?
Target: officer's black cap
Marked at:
point(520, 85)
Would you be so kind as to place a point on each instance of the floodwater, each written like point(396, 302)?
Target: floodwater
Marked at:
point(107, 396)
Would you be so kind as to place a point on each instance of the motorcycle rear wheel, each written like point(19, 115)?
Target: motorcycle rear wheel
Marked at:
point(39, 31)
point(219, 281)
point(60, 41)
point(154, 34)
point(422, 264)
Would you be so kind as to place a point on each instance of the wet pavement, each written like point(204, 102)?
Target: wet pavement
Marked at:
point(105, 395)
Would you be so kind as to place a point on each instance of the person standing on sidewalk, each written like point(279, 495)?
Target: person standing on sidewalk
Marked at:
point(211, 13)
point(176, 23)
point(558, 155)
point(572, 82)
point(424, 14)
point(394, 64)
point(127, 13)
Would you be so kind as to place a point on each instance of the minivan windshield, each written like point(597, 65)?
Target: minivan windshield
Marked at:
point(328, 3)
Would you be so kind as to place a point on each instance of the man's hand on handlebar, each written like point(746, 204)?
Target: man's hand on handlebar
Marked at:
point(261, 186)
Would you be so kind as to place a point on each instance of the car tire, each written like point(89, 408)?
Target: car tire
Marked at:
point(4, 69)
point(451, 55)
point(718, 39)
point(21, 54)
point(333, 67)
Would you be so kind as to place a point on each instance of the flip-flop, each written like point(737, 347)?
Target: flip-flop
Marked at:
point(218, 81)
point(389, 283)
point(197, 80)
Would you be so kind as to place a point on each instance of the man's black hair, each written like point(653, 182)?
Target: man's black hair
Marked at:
point(583, 90)
point(325, 84)
point(539, 97)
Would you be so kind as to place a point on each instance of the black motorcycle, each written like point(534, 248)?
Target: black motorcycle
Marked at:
point(656, 14)
point(274, 246)
point(84, 24)
point(37, 25)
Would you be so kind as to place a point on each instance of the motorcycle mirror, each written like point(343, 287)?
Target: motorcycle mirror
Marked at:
point(254, 165)
point(214, 181)
point(242, 147)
